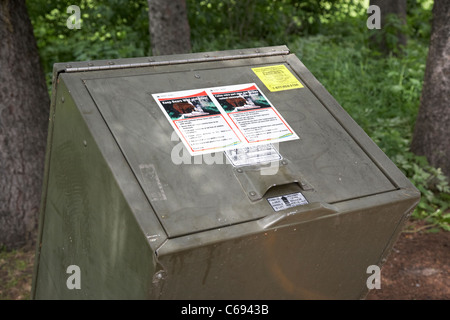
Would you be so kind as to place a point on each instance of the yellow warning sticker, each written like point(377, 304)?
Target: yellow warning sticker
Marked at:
point(277, 78)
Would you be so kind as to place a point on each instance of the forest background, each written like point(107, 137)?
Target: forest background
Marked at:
point(379, 85)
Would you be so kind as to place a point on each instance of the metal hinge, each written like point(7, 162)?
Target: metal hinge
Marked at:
point(204, 58)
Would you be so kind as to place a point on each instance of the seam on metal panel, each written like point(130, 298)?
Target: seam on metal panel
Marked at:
point(174, 62)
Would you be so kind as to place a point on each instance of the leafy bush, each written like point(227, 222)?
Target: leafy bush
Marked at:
point(110, 29)
point(382, 94)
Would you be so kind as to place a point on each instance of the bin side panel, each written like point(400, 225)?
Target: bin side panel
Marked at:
point(87, 222)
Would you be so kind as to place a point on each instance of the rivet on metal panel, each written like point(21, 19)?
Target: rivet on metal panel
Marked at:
point(90, 64)
point(252, 193)
point(197, 76)
point(239, 170)
point(68, 66)
point(85, 143)
point(110, 63)
point(284, 162)
point(62, 99)
point(158, 276)
point(305, 186)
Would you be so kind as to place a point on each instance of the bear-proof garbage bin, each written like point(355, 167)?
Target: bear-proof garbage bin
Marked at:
point(220, 175)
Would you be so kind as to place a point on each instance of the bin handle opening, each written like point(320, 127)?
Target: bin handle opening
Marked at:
point(257, 181)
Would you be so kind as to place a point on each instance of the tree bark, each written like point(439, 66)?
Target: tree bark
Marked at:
point(387, 7)
point(432, 130)
point(24, 104)
point(169, 27)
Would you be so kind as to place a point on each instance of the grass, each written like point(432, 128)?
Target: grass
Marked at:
point(16, 270)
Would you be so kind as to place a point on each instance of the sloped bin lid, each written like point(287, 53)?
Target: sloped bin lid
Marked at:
point(190, 198)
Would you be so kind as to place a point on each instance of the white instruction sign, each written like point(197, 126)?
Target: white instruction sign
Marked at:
point(223, 118)
point(253, 155)
point(287, 201)
point(197, 120)
point(254, 116)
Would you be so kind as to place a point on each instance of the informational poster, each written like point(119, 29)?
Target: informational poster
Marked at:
point(198, 121)
point(253, 115)
point(224, 118)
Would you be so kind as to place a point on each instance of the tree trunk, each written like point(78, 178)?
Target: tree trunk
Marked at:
point(169, 27)
point(24, 104)
point(432, 131)
point(379, 37)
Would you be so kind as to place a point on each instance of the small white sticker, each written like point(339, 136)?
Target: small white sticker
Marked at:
point(253, 155)
point(287, 201)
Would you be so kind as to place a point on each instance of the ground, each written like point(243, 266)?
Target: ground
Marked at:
point(16, 271)
point(418, 268)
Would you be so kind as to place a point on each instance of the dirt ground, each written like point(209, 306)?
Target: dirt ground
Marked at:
point(417, 269)
point(16, 271)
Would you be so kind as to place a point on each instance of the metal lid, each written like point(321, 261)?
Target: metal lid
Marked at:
point(197, 195)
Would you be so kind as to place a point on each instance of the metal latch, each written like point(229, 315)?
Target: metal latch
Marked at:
point(257, 180)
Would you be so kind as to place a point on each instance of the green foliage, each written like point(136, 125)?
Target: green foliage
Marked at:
point(418, 18)
point(226, 24)
point(393, 27)
point(109, 30)
point(382, 94)
point(272, 21)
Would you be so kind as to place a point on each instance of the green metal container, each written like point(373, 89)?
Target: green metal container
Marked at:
point(141, 226)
